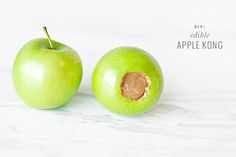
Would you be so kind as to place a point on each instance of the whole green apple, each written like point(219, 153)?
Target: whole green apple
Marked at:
point(46, 73)
point(127, 80)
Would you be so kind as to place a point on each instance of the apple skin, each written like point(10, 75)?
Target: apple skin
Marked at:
point(108, 74)
point(46, 78)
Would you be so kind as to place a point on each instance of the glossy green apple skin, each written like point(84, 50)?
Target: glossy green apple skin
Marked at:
point(108, 74)
point(46, 78)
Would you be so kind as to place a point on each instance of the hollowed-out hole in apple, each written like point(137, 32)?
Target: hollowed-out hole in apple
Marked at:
point(135, 85)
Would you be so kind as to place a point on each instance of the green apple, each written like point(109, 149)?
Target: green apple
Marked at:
point(46, 73)
point(127, 80)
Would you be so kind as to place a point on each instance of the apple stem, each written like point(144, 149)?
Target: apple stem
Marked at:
point(49, 39)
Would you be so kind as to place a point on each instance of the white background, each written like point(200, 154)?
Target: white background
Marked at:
point(196, 115)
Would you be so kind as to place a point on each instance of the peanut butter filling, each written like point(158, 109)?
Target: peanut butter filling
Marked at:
point(134, 85)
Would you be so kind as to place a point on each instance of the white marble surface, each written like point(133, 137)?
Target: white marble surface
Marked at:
point(197, 123)
point(196, 115)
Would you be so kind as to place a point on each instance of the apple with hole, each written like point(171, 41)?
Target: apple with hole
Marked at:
point(128, 81)
point(46, 73)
